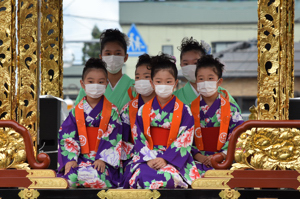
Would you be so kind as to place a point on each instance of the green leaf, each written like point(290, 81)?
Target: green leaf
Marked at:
point(65, 136)
point(167, 176)
point(119, 137)
point(71, 156)
point(65, 153)
point(163, 114)
point(73, 177)
point(189, 166)
point(147, 184)
point(183, 151)
point(113, 142)
point(81, 182)
point(72, 134)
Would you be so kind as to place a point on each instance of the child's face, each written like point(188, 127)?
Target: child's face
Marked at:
point(164, 77)
point(207, 74)
point(142, 73)
point(190, 58)
point(113, 48)
point(94, 76)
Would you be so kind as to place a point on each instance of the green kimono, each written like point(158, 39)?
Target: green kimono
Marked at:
point(186, 94)
point(118, 96)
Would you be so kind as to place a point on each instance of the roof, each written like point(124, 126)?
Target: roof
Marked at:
point(195, 12)
point(243, 63)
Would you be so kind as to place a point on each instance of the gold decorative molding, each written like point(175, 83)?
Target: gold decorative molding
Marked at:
point(275, 58)
point(229, 194)
point(29, 194)
point(40, 173)
point(128, 194)
point(211, 183)
point(28, 66)
point(51, 48)
point(218, 174)
point(268, 148)
point(48, 183)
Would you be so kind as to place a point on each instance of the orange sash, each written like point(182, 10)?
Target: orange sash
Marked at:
point(133, 109)
point(82, 130)
point(129, 92)
point(225, 119)
point(176, 121)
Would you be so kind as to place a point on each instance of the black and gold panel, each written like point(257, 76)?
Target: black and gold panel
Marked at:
point(51, 47)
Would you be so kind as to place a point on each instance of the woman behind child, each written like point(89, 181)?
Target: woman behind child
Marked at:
point(215, 117)
point(90, 138)
point(114, 53)
point(190, 51)
point(128, 114)
point(163, 134)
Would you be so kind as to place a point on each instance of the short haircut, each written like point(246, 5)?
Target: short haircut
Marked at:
point(93, 63)
point(163, 62)
point(208, 61)
point(113, 35)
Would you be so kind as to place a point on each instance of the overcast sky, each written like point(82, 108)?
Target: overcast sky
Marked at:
point(80, 16)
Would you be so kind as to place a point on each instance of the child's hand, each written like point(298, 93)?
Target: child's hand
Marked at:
point(207, 162)
point(200, 158)
point(159, 163)
point(69, 165)
point(99, 165)
point(150, 163)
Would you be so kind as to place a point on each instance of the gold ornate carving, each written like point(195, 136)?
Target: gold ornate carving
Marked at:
point(128, 194)
point(12, 150)
point(51, 48)
point(218, 174)
point(268, 148)
point(211, 183)
point(48, 183)
point(29, 194)
point(28, 73)
point(229, 194)
point(40, 173)
point(253, 111)
point(275, 53)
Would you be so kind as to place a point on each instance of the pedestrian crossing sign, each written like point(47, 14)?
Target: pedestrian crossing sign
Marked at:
point(137, 45)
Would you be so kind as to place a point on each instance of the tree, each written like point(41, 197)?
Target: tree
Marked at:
point(92, 48)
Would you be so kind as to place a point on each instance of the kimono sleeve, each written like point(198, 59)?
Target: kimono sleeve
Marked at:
point(179, 152)
point(235, 120)
point(127, 146)
point(141, 150)
point(109, 149)
point(68, 139)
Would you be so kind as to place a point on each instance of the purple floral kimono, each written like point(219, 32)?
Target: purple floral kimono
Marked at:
point(211, 117)
point(109, 150)
point(181, 169)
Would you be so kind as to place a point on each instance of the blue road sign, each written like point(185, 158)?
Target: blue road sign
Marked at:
point(137, 45)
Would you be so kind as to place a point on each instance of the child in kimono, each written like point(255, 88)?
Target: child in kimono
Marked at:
point(128, 114)
point(190, 51)
point(114, 53)
point(90, 138)
point(215, 116)
point(163, 135)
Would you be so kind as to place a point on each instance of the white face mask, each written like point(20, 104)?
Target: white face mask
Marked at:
point(207, 88)
point(95, 90)
point(114, 63)
point(143, 87)
point(164, 91)
point(189, 72)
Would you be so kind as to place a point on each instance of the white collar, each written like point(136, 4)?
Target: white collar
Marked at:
point(195, 91)
point(112, 88)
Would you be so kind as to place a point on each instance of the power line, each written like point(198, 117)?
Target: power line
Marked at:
point(93, 18)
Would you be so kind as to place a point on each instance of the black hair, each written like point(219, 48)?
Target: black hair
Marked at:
point(144, 59)
point(113, 35)
point(163, 62)
point(93, 63)
point(190, 44)
point(208, 61)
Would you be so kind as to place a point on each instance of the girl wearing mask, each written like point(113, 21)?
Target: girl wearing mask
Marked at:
point(191, 51)
point(114, 53)
point(90, 138)
point(163, 134)
point(128, 113)
point(215, 116)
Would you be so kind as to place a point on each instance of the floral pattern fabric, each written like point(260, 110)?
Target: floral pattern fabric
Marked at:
point(180, 170)
point(109, 150)
point(211, 117)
